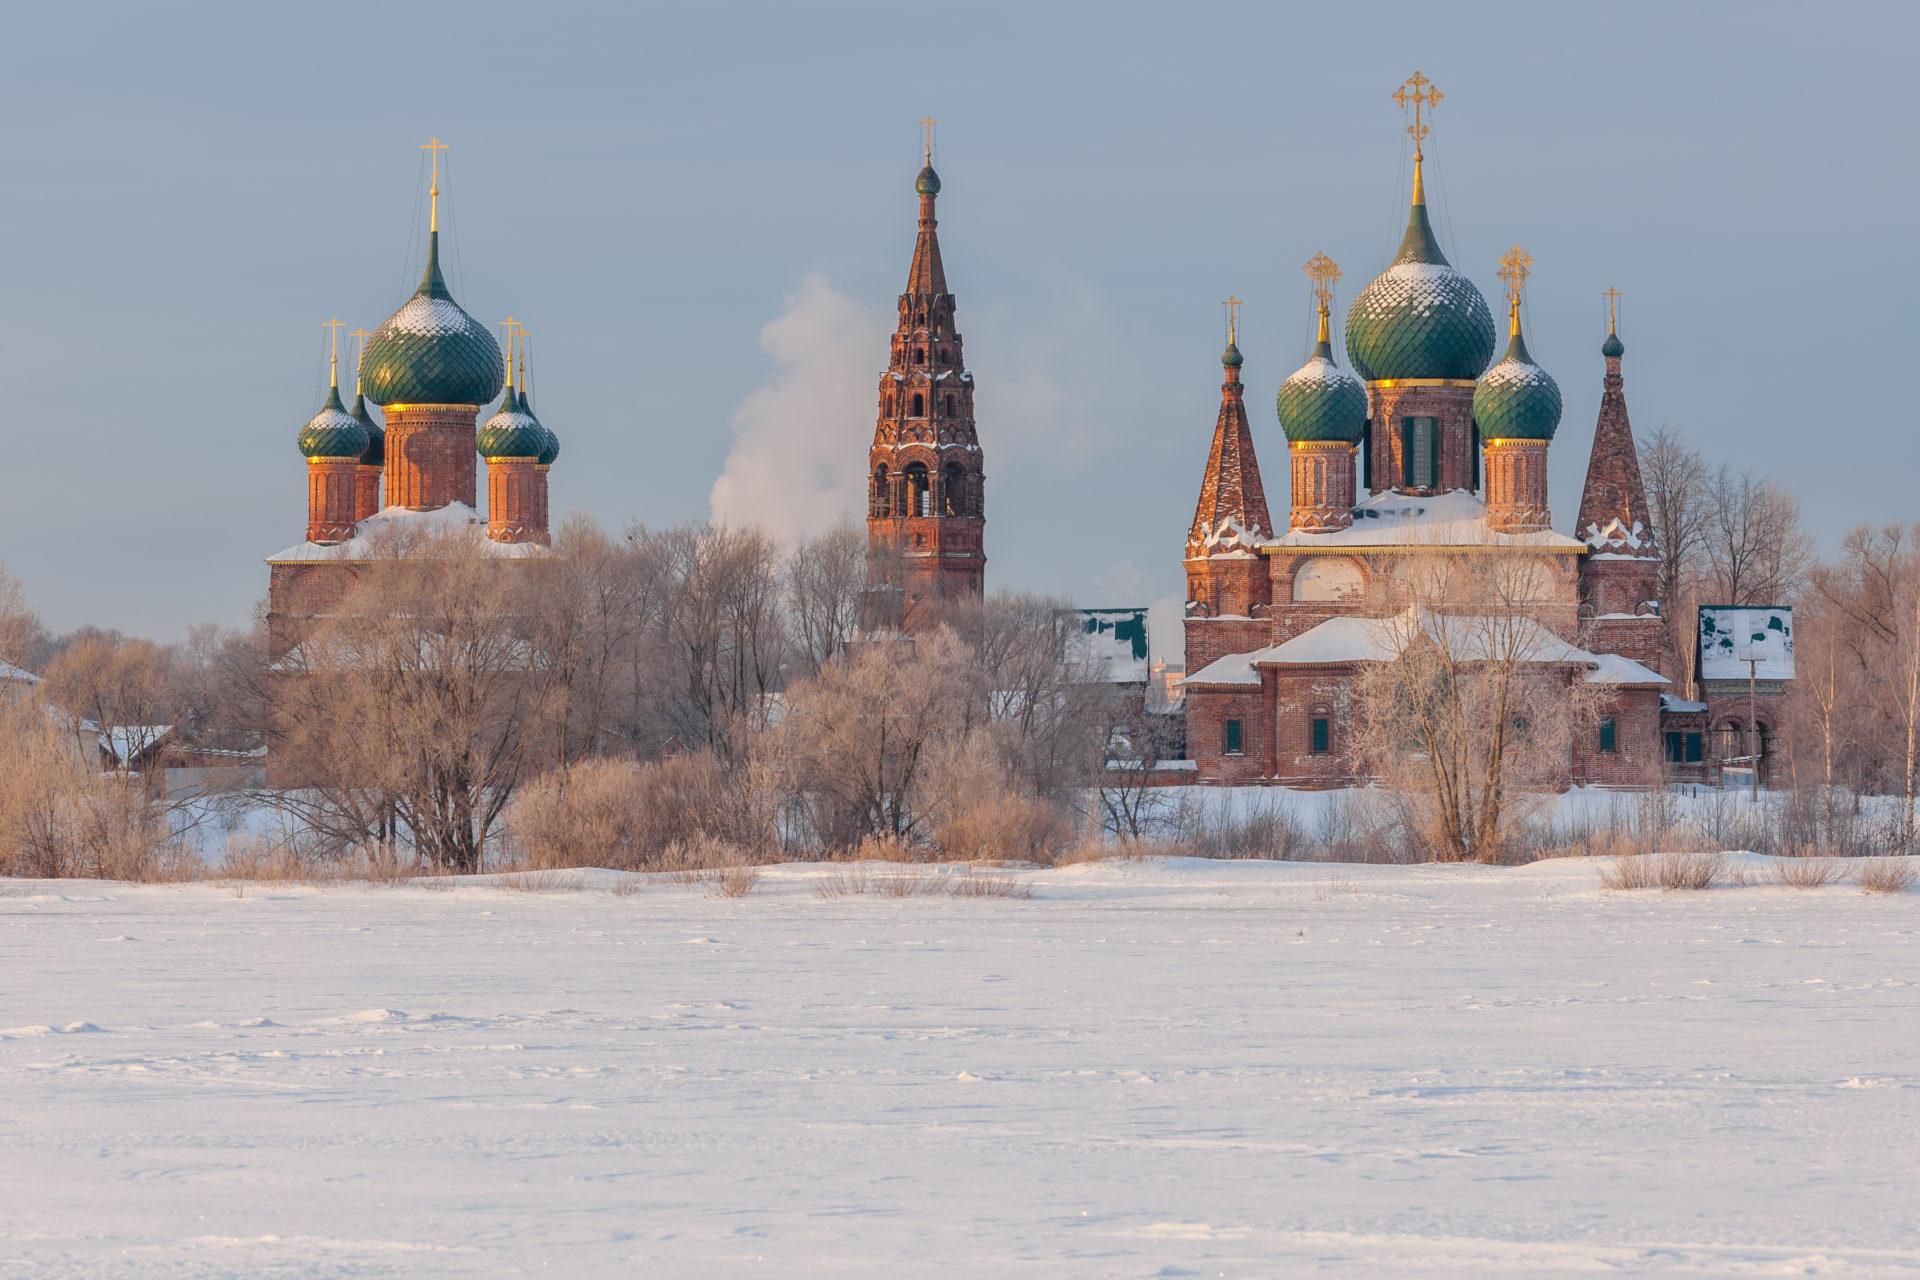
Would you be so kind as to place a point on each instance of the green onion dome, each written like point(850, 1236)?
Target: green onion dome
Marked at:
point(928, 183)
point(1322, 401)
point(376, 454)
point(1420, 318)
point(511, 433)
point(551, 452)
point(1231, 357)
point(1613, 348)
point(333, 432)
point(1517, 399)
point(430, 351)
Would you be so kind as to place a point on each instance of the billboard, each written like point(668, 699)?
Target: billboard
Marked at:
point(1731, 635)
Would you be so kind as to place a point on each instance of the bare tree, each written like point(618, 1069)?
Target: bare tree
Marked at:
point(417, 709)
point(20, 631)
point(1471, 702)
point(1678, 502)
point(825, 576)
point(727, 637)
point(129, 689)
point(1756, 551)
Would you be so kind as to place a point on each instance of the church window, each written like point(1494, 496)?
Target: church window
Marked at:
point(1327, 579)
point(919, 355)
point(1420, 452)
point(919, 405)
point(1609, 736)
point(1476, 456)
point(919, 492)
point(953, 491)
point(1233, 743)
point(1321, 735)
point(1366, 456)
point(882, 492)
point(1685, 746)
point(949, 406)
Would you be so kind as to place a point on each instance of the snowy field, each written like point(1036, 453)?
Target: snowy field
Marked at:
point(1156, 1069)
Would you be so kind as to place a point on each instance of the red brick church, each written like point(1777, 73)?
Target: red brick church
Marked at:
point(1424, 444)
point(431, 368)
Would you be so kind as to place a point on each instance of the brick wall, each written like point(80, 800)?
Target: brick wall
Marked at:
point(430, 456)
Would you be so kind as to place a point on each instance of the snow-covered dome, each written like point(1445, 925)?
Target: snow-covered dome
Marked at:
point(1517, 399)
point(1320, 400)
point(1419, 318)
point(431, 351)
point(333, 432)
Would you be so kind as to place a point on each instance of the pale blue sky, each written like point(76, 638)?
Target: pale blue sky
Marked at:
point(192, 190)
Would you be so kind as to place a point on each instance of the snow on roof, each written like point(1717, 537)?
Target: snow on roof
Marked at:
point(1611, 668)
point(379, 533)
point(128, 741)
point(1680, 706)
point(1452, 519)
point(10, 672)
point(1113, 644)
point(1382, 639)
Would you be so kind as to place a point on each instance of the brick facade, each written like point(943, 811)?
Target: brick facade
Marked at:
point(1450, 402)
point(330, 498)
point(430, 457)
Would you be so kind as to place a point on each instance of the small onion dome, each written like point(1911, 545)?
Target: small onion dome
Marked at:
point(511, 433)
point(1613, 348)
point(1231, 357)
point(928, 183)
point(333, 432)
point(1420, 318)
point(551, 452)
point(376, 454)
point(1517, 399)
point(1322, 401)
point(431, 351)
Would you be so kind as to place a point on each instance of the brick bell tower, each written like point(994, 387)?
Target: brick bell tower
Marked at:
point(1229, 597)
point(926, 505)
point(1620, 576)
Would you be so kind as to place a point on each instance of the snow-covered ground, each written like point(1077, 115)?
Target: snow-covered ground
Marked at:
point(1150, 1069)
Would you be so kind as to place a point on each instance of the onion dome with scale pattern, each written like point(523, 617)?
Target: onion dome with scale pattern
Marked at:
point(333, 432)
point(1613, 348)
point(1517, 399)
point(928, 182)
point(513, 431)
point(376, 454)
point(551, 452)
point(431, 351)
point(1320, 400)
point(1419, 318)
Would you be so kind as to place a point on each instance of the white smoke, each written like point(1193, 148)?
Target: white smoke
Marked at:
point(798, 465)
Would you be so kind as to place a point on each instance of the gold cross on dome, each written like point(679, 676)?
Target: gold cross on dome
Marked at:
point(333, 328)
point(1612, 295)
point(1233, 305)
point(1421, 92)
point(1516, 264)
point(926, 133)
point(1325, 273)
point(359, 337)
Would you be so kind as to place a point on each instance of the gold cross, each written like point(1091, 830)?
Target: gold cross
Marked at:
point(926, 130)
point(433, 147)
point(1421, 92)
point(512, 327)
point(359, 337)
point(1612, 295)
point(333, 328)
point(1325, 273)
point(1516, 264)
point(1233, 305)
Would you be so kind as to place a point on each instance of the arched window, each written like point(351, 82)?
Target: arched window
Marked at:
point(882, 492)
point(949, 408)
point(1328, 579)
point(1320, 729)
point(919, 405)
point(919, 355)
point(953, 491)
point(919, 493)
